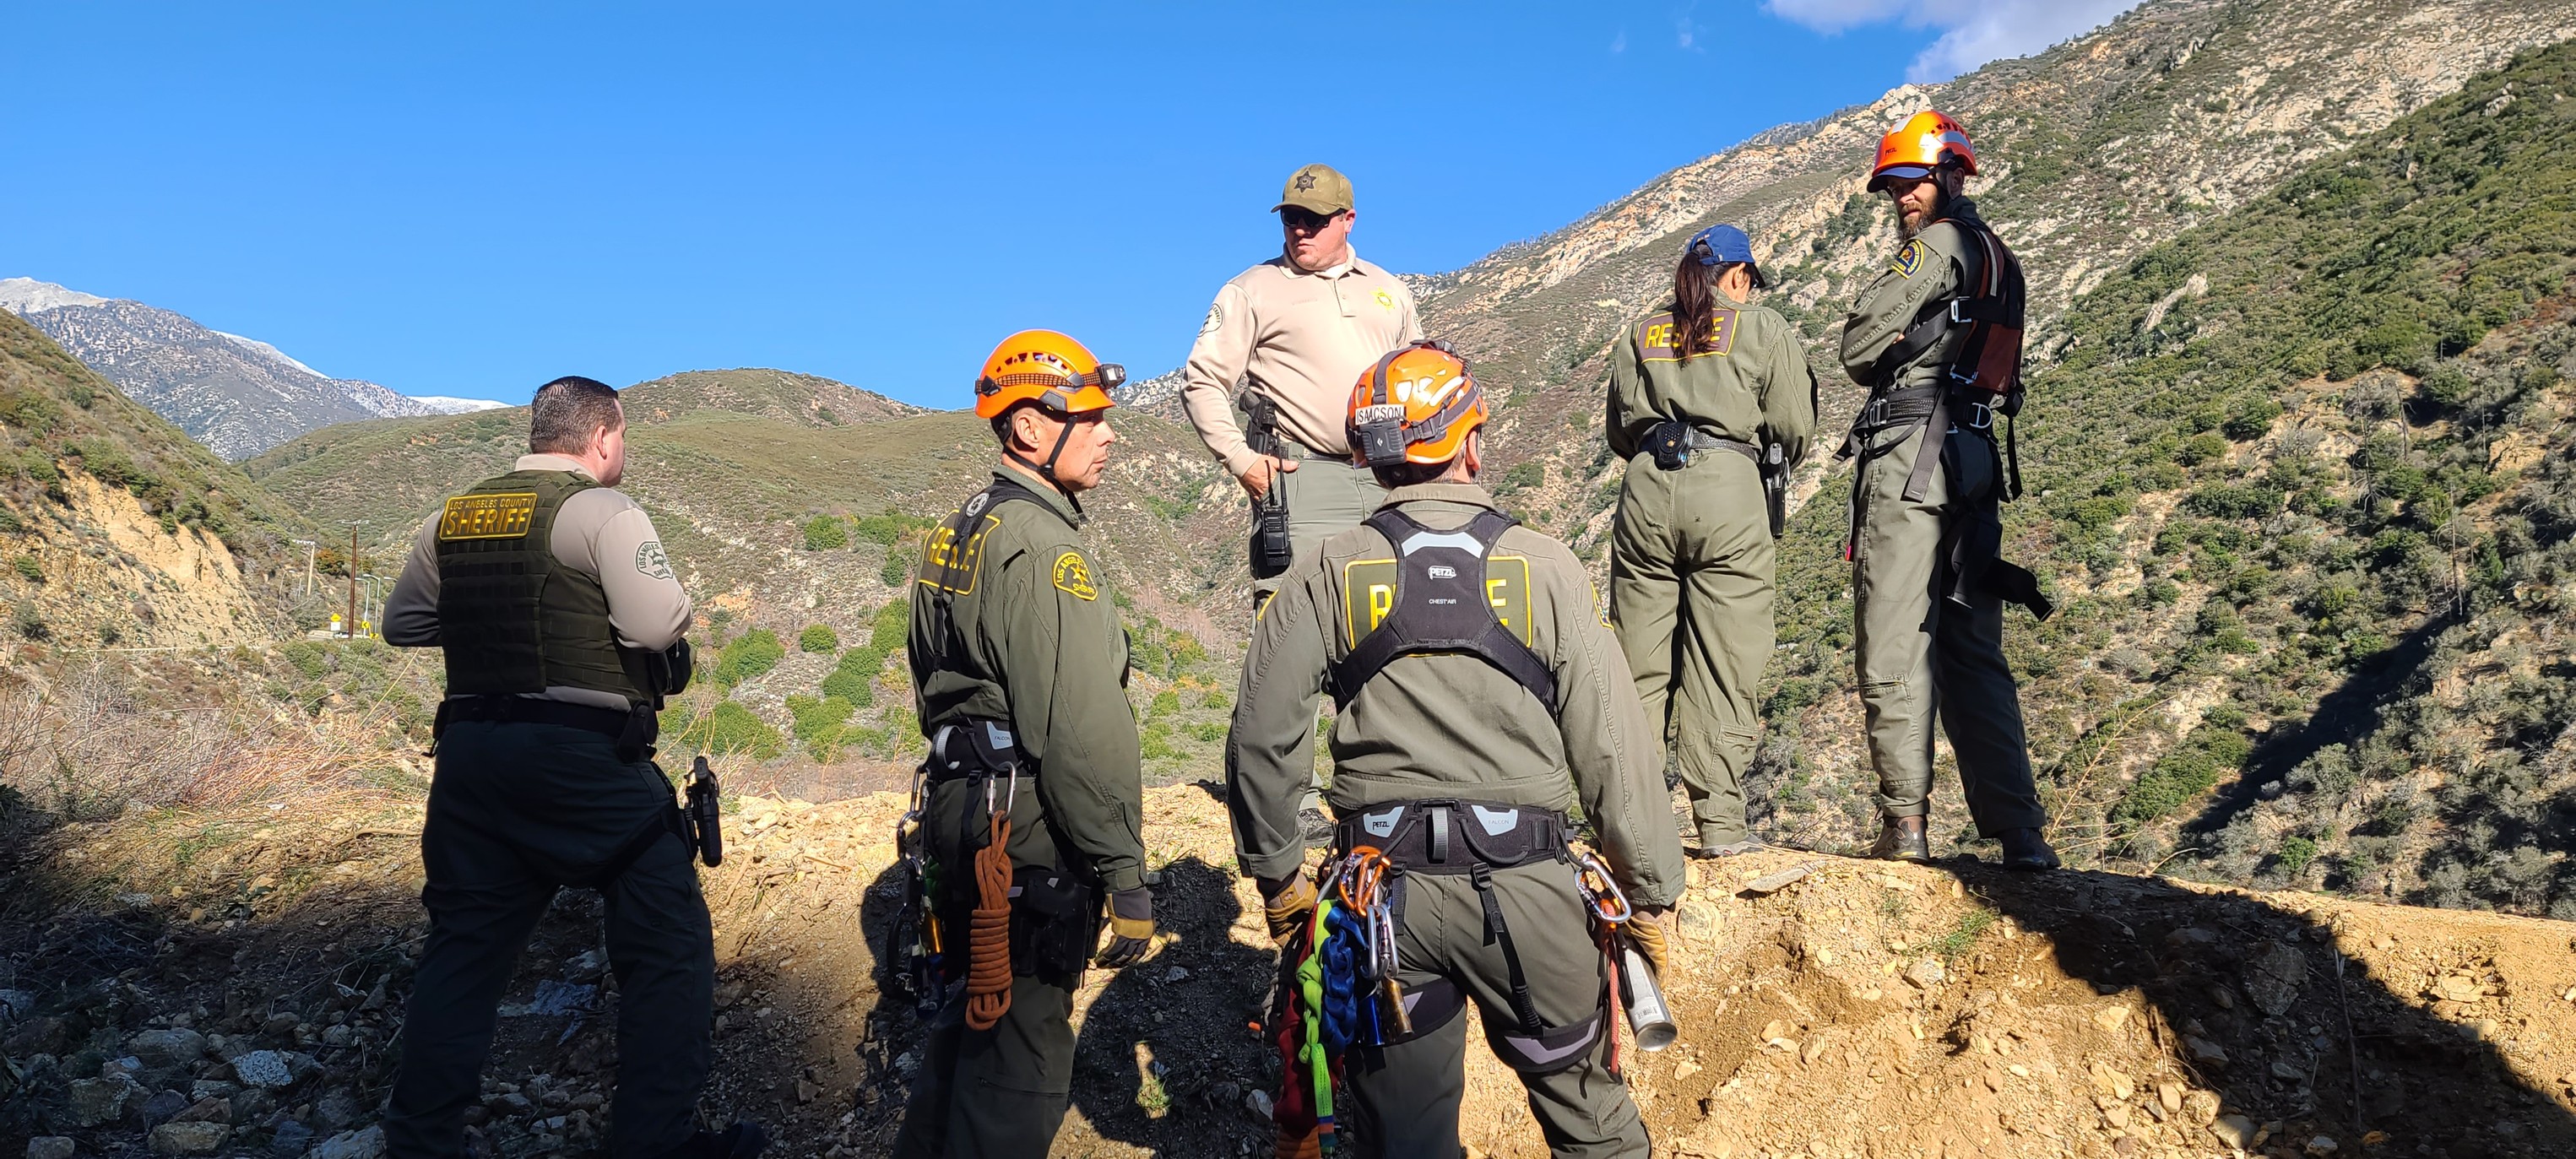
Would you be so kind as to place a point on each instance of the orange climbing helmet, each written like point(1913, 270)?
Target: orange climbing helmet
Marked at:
point(1049, 369)
point(1415, 405)
point(1925, 142)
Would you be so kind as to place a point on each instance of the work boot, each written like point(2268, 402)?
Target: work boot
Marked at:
point(739, 1141)
point(2025, 849)
point(1315, 827)
point(1713, 845)
point(1901, 839)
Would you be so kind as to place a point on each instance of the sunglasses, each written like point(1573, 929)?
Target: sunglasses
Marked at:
point(1295, 218)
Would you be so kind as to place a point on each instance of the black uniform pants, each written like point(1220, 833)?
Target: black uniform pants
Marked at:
point(516, 811)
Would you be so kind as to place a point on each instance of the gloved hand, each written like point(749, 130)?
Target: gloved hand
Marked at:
point(1131, 928)
point(1652, 931)
point(1288, 905)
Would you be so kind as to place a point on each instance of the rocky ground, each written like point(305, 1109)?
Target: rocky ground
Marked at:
point(232, 984)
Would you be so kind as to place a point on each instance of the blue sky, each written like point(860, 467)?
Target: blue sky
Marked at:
point(472, 200)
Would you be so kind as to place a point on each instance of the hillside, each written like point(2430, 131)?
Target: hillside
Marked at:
point(119, 528)
point(792, 504)
point(237, 395)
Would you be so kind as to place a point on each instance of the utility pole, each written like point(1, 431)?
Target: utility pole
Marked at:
point(351, 626)
point(308, 546)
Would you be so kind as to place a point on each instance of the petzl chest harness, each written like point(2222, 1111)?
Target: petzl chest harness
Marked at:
point(1980, 330)
point(1444, 592)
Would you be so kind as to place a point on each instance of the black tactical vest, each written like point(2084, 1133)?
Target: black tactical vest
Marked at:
point(511, 618)
point(1445, 591)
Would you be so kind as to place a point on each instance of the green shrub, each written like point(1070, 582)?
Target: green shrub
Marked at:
point(891, 528)
point(10, 523)
point(2295, 855)
point(1522, 477)
point(2200, 449)
point(1165, 703)
point(755, 652)
point(818, 638)
point(2252, 420)
point(826, 532)
point(854, 678)
point(890, 627)
point(897, 569)
point(309, 658)
point(30, 624)
point(731, 728)
point(29, 569)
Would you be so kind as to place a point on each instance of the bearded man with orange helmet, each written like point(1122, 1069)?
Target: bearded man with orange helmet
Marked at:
point(1481, 699)
point(1937, 340)
point(1030, 803)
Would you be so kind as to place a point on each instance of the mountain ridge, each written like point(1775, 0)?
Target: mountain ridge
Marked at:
point(237, 394)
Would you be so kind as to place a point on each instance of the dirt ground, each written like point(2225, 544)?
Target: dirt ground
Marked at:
point(1860, 1009)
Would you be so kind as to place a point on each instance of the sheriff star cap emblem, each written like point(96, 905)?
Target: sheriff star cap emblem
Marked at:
point(1317, 189)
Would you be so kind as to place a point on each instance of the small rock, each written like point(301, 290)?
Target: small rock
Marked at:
point(2236, 1131)
point(1699, 921)
point(509, 1105)
point(2458, 988)
point(2200, 1106)
point(2321, 1145)
point(188, 1138)
point(2203, 1050)
point(19, 1004)
point(1258, 1102)
point(2273, 977)
point(2169, 1095)
point(166, 1049)
point(2222, 997)
point(213, 1089)
point(335, 1111)
point(51, 1147)
point(2116, 1115)
point(2283, 1068)
point(1686, 1068)
point(2111, 1018)
point(1770, 883)
point(100, 1100)
point(292, 1139)
point(1926, 973)
point(1176, 974)
point(806, 1091)
point(367, 1144)
point(162, 1107)
point(263, 1068)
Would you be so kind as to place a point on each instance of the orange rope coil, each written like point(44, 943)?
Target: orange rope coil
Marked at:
point(988, 947)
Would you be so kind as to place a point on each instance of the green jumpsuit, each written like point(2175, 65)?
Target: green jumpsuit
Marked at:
point(1922, 653)
point(1691, 550)
point(1013, 624)
point(1451, 726)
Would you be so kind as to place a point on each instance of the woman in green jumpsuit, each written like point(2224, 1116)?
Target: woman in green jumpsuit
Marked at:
point(1708, 397)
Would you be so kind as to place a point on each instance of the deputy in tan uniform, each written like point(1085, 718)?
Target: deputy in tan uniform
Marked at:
point(1032, 812)
point(562, 626)
point(1482, 700)
point(1937, 340)
point(1711, 402)
point(1296, 330)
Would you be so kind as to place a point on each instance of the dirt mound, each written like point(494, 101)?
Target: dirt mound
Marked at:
point(1829, 1007)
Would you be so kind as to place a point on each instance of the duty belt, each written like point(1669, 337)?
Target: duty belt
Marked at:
point(633, 730)
point(1671, 440)
point(973, 747)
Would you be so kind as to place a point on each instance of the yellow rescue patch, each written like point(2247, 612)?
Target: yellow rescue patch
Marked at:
point(1074, 576)
point(1368, 596)
point(503, 516)
point(1658, 336)
point(952, 564)
point(1910, 258)
point(1385, 300)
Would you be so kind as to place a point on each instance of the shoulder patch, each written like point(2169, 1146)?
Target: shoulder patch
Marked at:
point(651, 560)
point(1215, 318)
point(489, 516)
point(1909, 258)
point(1073, 576)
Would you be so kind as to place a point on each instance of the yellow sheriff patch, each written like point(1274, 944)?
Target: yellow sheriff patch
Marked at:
point(1910, 258)
point(1074, 576)
point(1385, 301)
point(487, 516)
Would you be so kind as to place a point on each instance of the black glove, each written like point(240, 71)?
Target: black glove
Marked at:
point(1131, 928)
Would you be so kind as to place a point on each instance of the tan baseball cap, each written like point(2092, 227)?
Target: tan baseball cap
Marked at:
point(1316, 189)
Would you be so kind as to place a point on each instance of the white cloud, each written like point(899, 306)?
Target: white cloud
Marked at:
point(1972, 31)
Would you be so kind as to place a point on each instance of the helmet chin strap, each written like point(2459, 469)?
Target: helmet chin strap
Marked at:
point(1046, 470)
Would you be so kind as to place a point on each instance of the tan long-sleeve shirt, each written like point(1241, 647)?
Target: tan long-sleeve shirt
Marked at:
point(599, 532)
point(1305, 337)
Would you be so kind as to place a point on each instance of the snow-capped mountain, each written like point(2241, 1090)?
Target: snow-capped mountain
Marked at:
point(237, 395)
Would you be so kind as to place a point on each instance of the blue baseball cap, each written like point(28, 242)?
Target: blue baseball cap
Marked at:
point(1728, 245)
